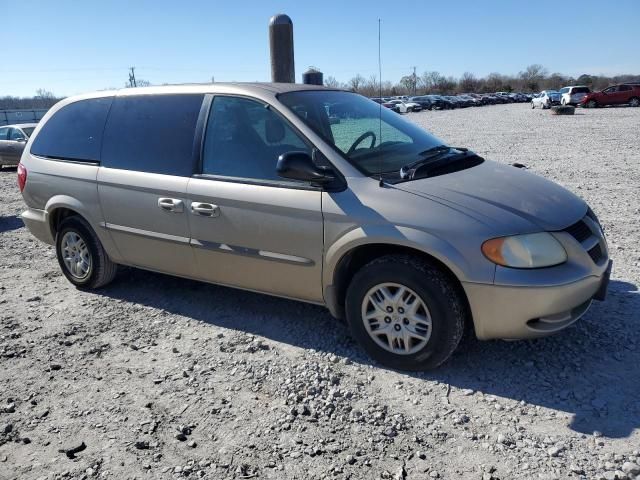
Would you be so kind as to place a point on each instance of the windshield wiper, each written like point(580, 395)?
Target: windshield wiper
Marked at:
point(430, 155)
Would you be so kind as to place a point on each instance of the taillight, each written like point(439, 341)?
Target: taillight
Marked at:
point(22, 176)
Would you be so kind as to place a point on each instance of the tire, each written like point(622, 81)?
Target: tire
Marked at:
point(533, 106)
point(634, 102)
point(442, 305)
point(591, 104)
point(100, 270)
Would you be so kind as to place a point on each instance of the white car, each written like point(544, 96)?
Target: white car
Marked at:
point(545, 99)
point(573, 95)
point(405, 107)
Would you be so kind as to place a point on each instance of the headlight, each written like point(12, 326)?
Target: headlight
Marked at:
point(534, 250)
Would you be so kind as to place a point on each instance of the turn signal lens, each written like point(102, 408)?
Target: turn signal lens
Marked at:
point(533, 250)
point(492, 249)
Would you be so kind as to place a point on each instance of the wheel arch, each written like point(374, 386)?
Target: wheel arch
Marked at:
point(345, 265)
point(60, 207)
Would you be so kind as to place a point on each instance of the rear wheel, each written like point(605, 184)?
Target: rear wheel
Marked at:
point(634, 102)
point(405, 313)
point(81, 256)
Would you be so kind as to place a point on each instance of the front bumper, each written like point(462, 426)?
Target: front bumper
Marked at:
point(518, 312)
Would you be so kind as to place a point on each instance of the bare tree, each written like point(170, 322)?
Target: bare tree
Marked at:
point(407, 83)
point(468, 82)
point(45, 94)
point(429, 81)
point(356, 82)
point(533, 76)
point(331, 82)
point(493, 82)
point(555, 81)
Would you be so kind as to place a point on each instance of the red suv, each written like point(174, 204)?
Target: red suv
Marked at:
point(614, 95)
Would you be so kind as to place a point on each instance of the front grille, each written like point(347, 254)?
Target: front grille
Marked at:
point(579, 230)
point(582, 232)
point(596, 253)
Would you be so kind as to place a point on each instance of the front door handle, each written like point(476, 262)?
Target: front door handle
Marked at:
point(205, 209)
point(171, 205)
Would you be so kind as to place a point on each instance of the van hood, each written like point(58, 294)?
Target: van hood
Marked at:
point(503, 197)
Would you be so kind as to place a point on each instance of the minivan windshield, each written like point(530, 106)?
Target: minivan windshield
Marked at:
point(374, 139)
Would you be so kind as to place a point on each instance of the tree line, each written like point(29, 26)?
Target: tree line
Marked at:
point(534, 78)
point(43, 99)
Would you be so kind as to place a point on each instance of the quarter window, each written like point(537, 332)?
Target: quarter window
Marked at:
point(4, 133)
point(74, 132)
point(244, 139)
point(152, 133)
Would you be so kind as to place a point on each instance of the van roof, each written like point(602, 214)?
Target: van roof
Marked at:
point(218, 87)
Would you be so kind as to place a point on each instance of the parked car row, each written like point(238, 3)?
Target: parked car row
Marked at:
point(405, 104)
point(580, 95)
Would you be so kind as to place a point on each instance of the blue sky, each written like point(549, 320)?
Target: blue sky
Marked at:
point(70, 47)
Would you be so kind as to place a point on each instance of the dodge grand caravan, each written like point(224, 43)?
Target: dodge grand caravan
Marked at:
point(253, 186)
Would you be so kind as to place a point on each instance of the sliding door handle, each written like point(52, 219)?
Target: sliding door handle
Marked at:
point(171, 205)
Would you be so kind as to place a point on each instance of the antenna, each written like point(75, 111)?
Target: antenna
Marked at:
point(380, 94)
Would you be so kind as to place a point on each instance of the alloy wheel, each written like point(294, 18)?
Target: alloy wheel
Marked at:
point(76, 255)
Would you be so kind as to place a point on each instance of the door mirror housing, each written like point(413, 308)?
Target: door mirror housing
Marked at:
point(300, 166)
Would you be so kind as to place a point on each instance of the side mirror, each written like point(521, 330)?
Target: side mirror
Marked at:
point(300, 166)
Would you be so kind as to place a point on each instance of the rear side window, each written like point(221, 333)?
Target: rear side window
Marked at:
point(624, 88)
point(152, 133)
point(581, 90)
point(74, 132)
point(4, 133)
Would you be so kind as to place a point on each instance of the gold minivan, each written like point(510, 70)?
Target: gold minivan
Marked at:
point(318, 195)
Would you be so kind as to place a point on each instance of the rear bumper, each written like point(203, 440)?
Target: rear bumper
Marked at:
point(38, 224)
point(509, 312)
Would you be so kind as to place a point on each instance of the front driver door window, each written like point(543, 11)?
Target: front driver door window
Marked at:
point(250, 228)
point(244, 140)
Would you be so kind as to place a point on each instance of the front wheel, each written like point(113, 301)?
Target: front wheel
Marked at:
point(533, 105)
point(592, 104)
point(81, 256)
point(405, 313)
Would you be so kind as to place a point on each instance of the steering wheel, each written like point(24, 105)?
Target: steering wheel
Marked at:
point(360, 139)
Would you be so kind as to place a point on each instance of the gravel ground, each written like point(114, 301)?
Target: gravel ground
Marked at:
point(138, 381)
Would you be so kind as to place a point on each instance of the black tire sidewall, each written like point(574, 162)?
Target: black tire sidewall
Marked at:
point(75, 225)
point(432, 294)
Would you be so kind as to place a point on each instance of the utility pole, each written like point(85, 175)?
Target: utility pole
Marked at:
point(132, 77)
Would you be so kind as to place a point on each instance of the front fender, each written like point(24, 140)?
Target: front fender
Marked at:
point(393, 235)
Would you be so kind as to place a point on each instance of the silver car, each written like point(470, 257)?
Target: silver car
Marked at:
point(546, 99)
point(13, 139)
point(252, 186)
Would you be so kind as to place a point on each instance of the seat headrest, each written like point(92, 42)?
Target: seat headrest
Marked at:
point(274, 129)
